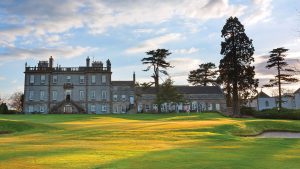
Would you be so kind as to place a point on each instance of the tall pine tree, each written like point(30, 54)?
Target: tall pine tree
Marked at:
point(204, 75)
point(157, 61)
point(284, 75)
point(236, 72)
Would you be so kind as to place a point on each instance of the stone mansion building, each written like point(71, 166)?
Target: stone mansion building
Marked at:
point(90, 89)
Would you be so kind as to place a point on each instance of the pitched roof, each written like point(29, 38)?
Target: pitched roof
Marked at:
point(262, 95)
point(122, 83)
point(297, 91)
point(187, 90)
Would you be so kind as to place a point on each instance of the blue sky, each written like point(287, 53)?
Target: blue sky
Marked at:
point(123, 30)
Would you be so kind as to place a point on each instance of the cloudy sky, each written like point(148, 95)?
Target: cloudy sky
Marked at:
point(123, 30)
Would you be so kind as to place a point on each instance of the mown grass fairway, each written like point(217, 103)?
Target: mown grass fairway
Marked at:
point(144, 141)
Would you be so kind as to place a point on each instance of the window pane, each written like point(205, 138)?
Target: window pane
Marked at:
point(68, 79)
point(115, 97)
point(124, 97)
point(81, 95)
point(43, 78)
point(42, 108)
point(93, 94)
point(104, 93)
point(31, 78)
point(54, 79)
point(104, 107)
point(30, 109)
point(54, 95)
point(30, 95)
point(93, 108)
point(103, 78)
point(93, 79)
point(81, 80)
point(42, 95)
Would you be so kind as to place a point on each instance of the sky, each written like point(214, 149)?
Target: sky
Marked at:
point(123, 30)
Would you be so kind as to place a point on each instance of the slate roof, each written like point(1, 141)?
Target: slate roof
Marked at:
point(262, 95)
point(187, 90)
point(122, 83)
point(297, 91)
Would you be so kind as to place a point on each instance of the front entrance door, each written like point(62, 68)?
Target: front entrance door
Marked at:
point(68, 109)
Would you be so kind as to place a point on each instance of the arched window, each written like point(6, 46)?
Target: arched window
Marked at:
point(267, 103)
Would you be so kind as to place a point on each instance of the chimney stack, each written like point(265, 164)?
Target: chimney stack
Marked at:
point(51, 62)
point(134, 77)
point(87, 62)
point(108, 65)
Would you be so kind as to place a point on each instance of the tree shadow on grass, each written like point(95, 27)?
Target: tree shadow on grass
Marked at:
point(60, 118)
point(214, 154)
point(37, 154)
point(7, 127)
point(167, 116)
point(48, 118)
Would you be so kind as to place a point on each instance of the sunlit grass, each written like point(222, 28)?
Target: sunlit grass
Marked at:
point(205, 140)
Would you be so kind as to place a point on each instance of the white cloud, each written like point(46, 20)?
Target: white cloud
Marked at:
point(264, 74)
point(182, 67)
point(143, 30)
point(36, 18)
point(2, 78)
point(150, 31)
point(154, 43)
point(179, 73)
point(46, 24)
point(213, 9)
point(13, 53)
point(293, 44)
point(261, 12)
point(54, 39)
point(161, 30)
point(213, 36)
point(118, 13)
point(186, 51)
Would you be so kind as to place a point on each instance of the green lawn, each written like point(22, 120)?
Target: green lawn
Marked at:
point(140, 141)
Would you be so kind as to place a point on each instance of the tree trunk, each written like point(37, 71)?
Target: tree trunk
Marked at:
point(157, 91)
point(235, 97)
point(228, 96)
point(279, 88)
point(235, 106)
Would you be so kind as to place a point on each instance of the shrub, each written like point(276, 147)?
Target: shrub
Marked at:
point(249, 111)
point(14, 112)
point(3, 108)
point(275, 114)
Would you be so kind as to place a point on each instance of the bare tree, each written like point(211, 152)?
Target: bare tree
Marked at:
point(16, 101)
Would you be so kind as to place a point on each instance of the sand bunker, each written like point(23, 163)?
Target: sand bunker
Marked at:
point(279, 134)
